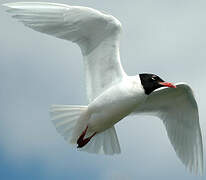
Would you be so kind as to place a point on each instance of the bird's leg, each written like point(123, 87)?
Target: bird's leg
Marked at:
point(81, 137)
point(81, 141)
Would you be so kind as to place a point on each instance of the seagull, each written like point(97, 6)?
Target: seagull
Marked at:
point(112, 94)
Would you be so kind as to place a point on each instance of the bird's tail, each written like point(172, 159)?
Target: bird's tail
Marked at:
point(70, 121)
point(65, 118)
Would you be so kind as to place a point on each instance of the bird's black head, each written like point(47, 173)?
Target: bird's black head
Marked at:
point(150, 82)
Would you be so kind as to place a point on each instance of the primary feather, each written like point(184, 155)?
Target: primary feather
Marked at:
point(97, 35)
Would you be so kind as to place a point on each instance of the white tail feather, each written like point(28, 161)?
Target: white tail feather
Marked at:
point(65, 117)
point(70, 121)
point(105, 142)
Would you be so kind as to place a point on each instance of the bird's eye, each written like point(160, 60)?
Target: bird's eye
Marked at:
point(153, 78)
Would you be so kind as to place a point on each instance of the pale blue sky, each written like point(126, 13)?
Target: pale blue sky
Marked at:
point(163, 37)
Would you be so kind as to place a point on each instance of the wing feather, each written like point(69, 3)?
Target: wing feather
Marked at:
point(97, 35)
point(178, 109)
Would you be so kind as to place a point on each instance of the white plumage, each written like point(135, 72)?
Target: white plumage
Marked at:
point(178, 110)
point(111, 93)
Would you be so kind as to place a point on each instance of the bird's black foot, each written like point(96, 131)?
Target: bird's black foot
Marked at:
point(81, 141)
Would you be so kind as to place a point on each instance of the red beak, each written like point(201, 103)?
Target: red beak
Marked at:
point(167, 84)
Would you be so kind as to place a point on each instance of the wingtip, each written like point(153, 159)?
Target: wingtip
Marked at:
point(5, 5)
point(11, 5)
point(197, 170)
point(8, 5)
point(202, 170)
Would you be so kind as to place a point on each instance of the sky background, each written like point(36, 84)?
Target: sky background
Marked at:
point(165, 37)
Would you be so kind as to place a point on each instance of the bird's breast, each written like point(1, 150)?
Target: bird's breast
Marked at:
point(114, 104)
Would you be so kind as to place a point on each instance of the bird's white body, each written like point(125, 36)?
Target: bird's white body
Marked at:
point(112, 94)
point(115, 103)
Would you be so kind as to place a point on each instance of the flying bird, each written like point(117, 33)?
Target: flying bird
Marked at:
point(112, 94)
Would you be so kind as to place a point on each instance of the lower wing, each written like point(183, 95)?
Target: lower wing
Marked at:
point(178, 110)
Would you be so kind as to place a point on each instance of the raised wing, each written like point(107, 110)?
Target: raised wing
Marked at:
point(177, 108)
point(96, 33)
